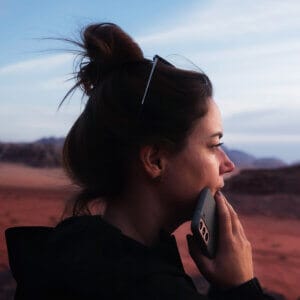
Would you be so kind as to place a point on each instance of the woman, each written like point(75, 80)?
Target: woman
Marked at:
point(147, 142)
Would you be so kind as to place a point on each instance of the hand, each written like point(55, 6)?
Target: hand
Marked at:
point(232, 265)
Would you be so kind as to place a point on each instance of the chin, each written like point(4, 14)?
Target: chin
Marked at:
point(215, 190)
point(218, 188)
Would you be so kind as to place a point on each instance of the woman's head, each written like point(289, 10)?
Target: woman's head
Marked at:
point(201, 163)
point(106, 139)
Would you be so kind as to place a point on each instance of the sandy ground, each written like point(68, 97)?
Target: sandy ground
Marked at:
point(21, 176)
point(30, 196)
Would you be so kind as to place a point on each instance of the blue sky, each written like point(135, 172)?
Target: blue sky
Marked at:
point(249, 49)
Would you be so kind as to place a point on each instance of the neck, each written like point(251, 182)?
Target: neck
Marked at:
point(138, 216)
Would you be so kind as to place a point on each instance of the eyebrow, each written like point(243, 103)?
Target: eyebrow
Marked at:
point(219, 134)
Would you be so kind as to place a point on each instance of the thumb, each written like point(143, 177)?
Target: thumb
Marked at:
point(203, 263)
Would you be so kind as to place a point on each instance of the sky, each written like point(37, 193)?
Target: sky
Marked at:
point(249, 49)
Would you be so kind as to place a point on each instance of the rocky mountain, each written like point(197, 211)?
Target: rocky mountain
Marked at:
point(243, 160)
point(51, 141)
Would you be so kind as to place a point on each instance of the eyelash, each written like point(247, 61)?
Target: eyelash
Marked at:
point(218, 145)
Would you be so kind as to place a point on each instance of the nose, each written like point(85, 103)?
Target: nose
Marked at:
point(226, 165)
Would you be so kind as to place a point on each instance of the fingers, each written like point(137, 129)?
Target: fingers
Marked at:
point(234, 218)
point(228, 217)
point(237, 227)
point(241, 230)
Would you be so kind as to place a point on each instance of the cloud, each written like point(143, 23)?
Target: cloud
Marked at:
point(36, 65)
point(36, 80)
point(26, 123)
point(262, 139)
point(273, 48)
point(223, 19)
point(269, 122)
point(250, 50)
point(285, 99)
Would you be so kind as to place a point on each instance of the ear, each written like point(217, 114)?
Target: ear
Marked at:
point(154, 160)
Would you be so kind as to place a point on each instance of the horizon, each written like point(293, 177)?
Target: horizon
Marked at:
point(250, 51)
point(296, 162)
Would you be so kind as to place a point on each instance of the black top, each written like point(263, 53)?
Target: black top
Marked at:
point(87, 258)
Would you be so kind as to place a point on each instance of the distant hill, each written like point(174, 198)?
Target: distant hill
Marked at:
point(51, 141)
point(284, 180)
point(42, 153)
point(264, 191)
point(46, 152)
point(243, 160)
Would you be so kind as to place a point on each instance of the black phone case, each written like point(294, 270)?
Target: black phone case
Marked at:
point(204, 223)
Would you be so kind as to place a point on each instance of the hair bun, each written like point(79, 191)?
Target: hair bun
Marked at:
point(107, 43)
point(106, 46)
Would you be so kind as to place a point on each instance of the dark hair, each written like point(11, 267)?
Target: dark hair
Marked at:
point(106, 137)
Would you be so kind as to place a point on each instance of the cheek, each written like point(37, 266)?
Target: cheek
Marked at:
point(213, 172)
point(187, 176)
point(214, 179)
point(207, 169)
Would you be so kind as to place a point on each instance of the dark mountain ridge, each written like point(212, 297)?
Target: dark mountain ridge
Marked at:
point(41, 153)
point(270, 192)
point(285, 180)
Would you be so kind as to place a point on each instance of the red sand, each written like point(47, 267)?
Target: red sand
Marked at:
point(30, 196)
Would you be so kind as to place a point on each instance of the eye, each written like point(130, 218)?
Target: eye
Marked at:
point(217, 145)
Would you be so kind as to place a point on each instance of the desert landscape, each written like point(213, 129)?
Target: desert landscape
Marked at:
point(37, 196)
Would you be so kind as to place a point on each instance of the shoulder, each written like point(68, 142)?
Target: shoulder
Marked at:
point(82, 225)
point(83, 240)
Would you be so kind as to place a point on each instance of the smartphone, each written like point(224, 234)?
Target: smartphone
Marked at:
point(204, 225)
